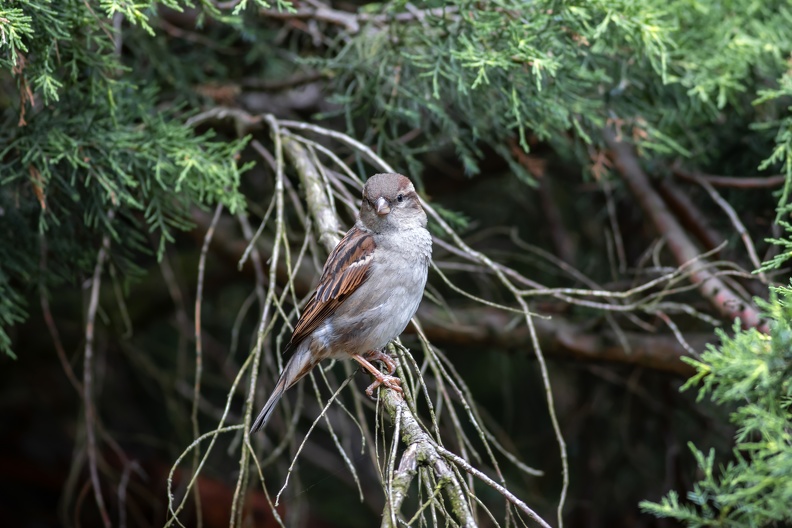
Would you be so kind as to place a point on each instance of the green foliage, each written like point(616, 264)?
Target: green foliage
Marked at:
point(752, 372)
point(136, 12)
point(786, 243)
point(89, 149)
point(682, 73)
point(781, 155)
point(15, 28)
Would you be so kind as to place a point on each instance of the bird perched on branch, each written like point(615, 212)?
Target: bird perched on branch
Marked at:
point(371, 286)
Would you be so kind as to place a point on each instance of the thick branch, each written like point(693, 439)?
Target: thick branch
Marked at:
point(690, 214)
point(480, 327)
point(421, 444)
point(735, 182)
point(400, 483)
point(723, 298)
point(327, 227)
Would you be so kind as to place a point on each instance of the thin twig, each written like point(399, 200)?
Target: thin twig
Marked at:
point(498, 271)
point(737, 223)
point(90, 410)
point(489, 482)
point(173, 513)
point(199, 348)
point(307, 435)
point(266, 321)
point(50, 321)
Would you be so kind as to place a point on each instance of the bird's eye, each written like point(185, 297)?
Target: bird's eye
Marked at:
point(400, 198)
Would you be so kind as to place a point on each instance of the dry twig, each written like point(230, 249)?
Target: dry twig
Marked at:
point(737, 223)
point(87, 382)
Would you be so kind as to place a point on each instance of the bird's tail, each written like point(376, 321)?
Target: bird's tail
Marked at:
point(298, 366)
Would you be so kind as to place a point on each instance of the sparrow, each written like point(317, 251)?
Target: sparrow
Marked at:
point(370, 287)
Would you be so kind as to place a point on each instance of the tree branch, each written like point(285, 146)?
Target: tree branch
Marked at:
point(736, 222)
point(479, 327)
point(400, 483)
point(500, 489)
point(87, 384)
point(426, 453)
point(689, 214)
point(723, 298)
point(327, 227)
point(735, 182)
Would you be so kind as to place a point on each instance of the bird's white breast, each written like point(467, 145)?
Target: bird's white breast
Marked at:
point(381, 308)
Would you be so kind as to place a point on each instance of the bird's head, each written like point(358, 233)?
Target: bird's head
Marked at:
point(390, 202)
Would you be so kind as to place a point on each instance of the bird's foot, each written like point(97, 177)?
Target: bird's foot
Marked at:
point(391, 382)
point(385, 359)
point(386, 380)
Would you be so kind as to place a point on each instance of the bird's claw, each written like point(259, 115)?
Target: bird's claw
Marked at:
point(390, 382)
point(387, 361)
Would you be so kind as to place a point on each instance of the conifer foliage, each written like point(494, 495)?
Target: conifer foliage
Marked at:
point(86, 138)
point(751, 374)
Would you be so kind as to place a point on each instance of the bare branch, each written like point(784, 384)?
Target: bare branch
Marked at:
point(199, 346)
point(400, 483)
point(483, 327)
point(427, 452)
point(689, 214)
point(489, 482)
point(736, 222)
point(723, 298)
point(735, 182)
point(50, 322)
point(327, 227)
point(87, 382)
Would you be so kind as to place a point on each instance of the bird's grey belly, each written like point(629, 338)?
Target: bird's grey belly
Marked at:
point(374, 314)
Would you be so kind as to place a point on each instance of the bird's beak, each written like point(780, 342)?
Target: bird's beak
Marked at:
point(382, 206)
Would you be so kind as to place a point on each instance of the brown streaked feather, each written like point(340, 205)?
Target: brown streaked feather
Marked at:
point(346, 269)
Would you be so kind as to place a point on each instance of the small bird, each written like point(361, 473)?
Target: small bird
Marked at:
point(371, 286)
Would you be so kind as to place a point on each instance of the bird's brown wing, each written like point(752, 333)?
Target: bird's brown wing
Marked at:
point(346, 269)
